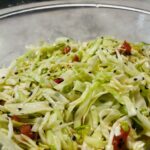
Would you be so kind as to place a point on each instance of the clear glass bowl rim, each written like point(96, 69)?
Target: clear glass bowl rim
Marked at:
point(33, 7)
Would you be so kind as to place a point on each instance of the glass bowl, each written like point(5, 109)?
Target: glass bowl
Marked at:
point(80, 20)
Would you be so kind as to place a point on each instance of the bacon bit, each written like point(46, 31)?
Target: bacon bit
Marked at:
point(26, 130)
point(125, 48)
point(76, 58)
point(58, 80)
point(16, 118)
point(66, 50)
point(120, 141)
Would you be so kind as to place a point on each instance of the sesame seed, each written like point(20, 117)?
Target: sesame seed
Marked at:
point(8, 114)
point(73, 138)
point(19, 109)
point(16, 73)
point(66, 106)
point(50, 105)
point(30, 84)
point(91, 133)
point(30, 93)
point(104, 66)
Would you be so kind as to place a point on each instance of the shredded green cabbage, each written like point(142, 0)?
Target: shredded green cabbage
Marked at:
point(76, 96)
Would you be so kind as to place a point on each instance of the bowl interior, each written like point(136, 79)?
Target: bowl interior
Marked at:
point(81, 22)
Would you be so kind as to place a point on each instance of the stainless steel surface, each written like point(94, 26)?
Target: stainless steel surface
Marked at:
point(26, 24)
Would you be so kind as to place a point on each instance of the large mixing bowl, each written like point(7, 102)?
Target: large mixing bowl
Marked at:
point(81, 20)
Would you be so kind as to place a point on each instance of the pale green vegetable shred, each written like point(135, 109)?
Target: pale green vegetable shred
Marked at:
point(76, 96)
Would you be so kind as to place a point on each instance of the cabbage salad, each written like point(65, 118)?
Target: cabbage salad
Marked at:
point(72, 95)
